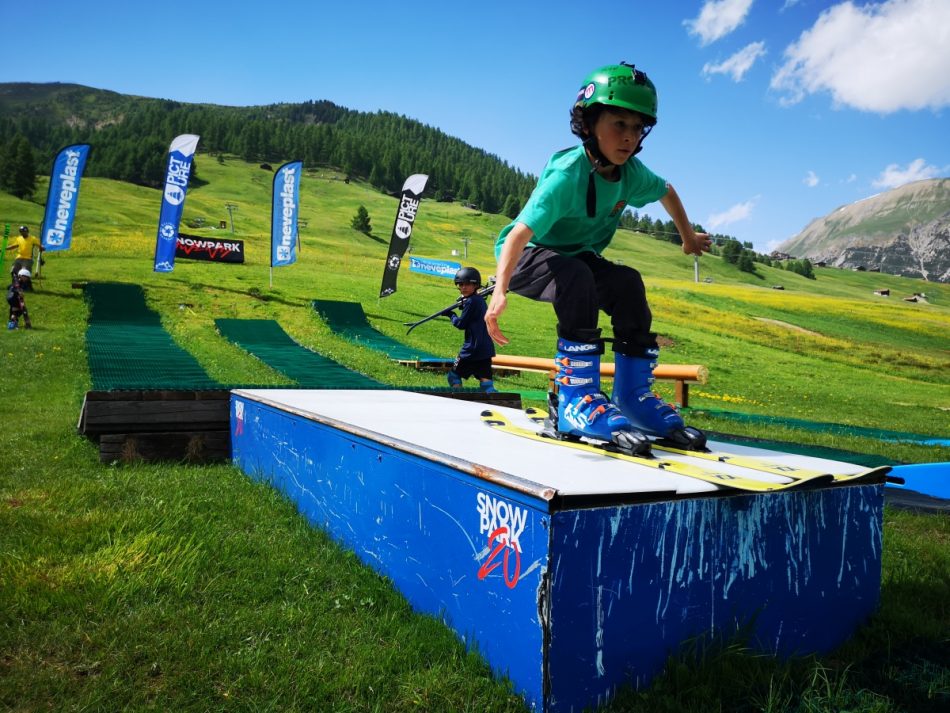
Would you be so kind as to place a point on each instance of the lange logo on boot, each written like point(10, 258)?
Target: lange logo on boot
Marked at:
point(578, 348)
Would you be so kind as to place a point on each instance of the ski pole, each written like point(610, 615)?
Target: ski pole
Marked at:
point(455, 305)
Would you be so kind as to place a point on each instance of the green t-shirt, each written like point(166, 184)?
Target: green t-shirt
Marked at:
point(556, 212)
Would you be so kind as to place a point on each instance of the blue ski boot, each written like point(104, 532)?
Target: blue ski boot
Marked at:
point(580, 408)
point(488, 387)
point(634, 361)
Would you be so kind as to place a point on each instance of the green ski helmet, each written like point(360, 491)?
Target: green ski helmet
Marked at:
point(621, 85)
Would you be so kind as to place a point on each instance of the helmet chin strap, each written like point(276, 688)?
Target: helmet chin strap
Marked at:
point(600, 161)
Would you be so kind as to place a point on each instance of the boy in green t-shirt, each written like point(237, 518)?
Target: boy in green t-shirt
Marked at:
point(552, 252)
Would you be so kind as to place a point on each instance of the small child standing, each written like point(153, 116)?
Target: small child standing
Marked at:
point(17, 302)
point(474, 358)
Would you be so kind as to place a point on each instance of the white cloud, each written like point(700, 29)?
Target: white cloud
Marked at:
point(880, 57)
point(852, 178)
point(894, 176)
point(737, 65)
point(811, 180)
point(718, 18)
point(738, 212)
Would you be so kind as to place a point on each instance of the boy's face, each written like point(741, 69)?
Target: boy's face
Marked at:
point(466, 289)
point(618, 132)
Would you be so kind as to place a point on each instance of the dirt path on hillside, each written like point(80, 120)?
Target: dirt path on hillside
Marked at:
point(789, 326)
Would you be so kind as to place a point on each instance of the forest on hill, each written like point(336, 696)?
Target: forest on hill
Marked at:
point(130, 137)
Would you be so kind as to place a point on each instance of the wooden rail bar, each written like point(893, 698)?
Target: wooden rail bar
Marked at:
point(682, 374)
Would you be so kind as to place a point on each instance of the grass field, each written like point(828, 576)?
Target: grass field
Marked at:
point(175, 587)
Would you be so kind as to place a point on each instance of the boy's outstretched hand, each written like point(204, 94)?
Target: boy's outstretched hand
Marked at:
point(498, 304)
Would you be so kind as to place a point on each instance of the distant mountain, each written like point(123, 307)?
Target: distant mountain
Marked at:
point(130, 137)
point(905, 231)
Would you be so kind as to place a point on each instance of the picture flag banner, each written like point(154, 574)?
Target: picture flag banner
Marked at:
point(181, 154)
point(285, 208)
point(63, 194)
point(405, 217)
point(439, 268)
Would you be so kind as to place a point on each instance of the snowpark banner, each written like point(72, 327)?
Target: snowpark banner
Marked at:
point(284, 211)
point(63, 194)
point(439, 268)
point(406, 215)
point(181, 154)
point(196, 247)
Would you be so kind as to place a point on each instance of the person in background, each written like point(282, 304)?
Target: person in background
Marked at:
point(16, 300)
point(24, 257)
point(474, 358)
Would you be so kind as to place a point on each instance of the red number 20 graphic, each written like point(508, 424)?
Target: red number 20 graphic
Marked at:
point(488, 566)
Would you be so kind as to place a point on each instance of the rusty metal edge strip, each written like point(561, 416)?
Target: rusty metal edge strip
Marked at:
point(482, 472)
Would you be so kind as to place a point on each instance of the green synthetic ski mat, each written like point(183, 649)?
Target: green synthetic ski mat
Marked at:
point(129, 349)
point(266, 340)
point(822, 427)
point(349, 321)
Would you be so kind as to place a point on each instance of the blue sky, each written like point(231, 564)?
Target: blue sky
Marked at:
point(771, 114)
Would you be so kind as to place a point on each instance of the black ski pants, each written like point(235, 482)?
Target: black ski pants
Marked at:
point(579, 287)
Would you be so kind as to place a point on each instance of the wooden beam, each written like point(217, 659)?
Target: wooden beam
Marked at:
point(684, 372)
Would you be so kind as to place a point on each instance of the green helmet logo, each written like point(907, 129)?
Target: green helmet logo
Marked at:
point(621, 85)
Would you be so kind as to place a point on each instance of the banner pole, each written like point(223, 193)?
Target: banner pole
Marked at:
point(3, 251)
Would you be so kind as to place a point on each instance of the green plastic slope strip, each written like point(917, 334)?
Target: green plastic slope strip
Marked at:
point(266, 340)
point(348, 320)
point(128, 348)
point(823, 427)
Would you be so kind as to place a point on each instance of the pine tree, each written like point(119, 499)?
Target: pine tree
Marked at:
point(511, 209)
point(19, 174)
point(745, 262)
point(361, 222)
point(731, 251)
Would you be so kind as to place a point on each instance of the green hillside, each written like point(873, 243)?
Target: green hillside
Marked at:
point(827, 349)
point(129, 135)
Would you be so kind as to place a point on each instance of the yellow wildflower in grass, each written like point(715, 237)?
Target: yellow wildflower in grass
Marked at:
point(729, 398)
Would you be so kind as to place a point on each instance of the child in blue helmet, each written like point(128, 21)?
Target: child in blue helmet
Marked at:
point(552, 252)
point(16, 301)
point(474, 358)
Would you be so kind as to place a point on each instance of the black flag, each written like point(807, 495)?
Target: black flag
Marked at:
point(406, 215)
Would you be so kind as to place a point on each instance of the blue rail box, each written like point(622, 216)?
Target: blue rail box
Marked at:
point(572, 573)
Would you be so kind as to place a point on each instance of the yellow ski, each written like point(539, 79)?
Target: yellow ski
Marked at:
point(499, 422)
point(750, 462)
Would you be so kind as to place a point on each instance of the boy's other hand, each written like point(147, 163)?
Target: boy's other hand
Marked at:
point(697, 244)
